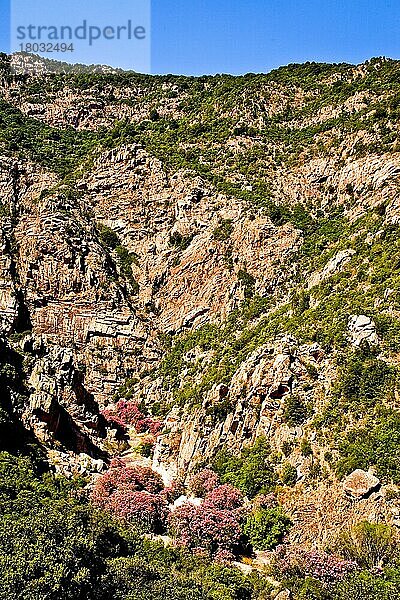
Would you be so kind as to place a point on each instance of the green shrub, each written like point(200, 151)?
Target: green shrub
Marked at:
point(311, 589)
point(288, 474)
point(266, 527)
point(154, 115)
point(388, 328)
point(108, 237)
point(51, 545)
point(287, 447)
point(248, 282)
point(370, 545)
point(180, 241)
point(300, 302)
point(126, 260)
point(363, 380)
point(220, 410)
point(374, 444)
point(251, 472)
point(366, 586)
point(294, 410)
point(223, 231)
point(305, 447)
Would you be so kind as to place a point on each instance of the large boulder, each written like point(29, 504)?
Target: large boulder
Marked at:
point(360, 484)
point(362, 328)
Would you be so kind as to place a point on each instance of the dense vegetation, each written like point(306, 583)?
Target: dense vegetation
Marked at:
point(363, 562)
point(55, 545)
point(251, 472)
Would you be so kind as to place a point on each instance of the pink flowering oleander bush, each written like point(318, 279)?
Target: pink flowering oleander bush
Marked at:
point(224, 557)
point(224, 497)
point(294, 561)
point(112, 419)
point(173, 491)
point(145, 511)
point(126, 413)
point(203, 482)
point(134, 494)
point(131, 479)
point(205, 527)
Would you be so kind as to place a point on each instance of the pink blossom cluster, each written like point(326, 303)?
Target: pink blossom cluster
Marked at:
point(133, 494)
point(203, 482)
point(146, 511)
point(224, 557)
point(291, 561)
point(204, 527)
point(214, 526)
point(126, 413)
point(135, 479)
point(137, 495)
point(173, 491)
point(224, 497)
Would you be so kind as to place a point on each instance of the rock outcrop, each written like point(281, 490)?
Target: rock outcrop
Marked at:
point(255, 400)
point(362, 329)
point(360, 484)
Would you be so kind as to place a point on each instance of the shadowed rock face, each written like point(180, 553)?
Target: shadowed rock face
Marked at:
point(88, 315)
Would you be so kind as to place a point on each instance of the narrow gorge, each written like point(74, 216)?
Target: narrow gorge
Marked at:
point(200, 293)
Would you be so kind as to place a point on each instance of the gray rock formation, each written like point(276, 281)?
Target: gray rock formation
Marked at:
point(362, 329)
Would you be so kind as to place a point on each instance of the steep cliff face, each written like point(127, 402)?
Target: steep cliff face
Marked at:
point(219, 250)
point(167, 221)
point(60, 291)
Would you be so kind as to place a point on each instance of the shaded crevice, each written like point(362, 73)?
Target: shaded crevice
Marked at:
point(23, 321)
point(64, 430)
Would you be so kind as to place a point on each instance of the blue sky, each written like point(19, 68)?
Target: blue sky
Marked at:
point(90, 17)
point(232, 36)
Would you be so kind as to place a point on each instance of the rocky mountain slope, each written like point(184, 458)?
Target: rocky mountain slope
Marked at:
point(225, 252)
